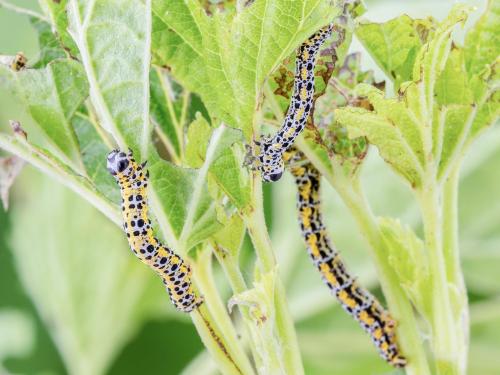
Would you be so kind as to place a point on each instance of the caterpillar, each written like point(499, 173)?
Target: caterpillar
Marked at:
point(270, 160)
point(175, 273)
point(355, 300)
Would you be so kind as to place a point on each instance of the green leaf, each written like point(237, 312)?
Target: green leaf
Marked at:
point(165, 110)
point(48, 163)
point(52, 95)
point(433, 57)
point(482, 44)
point(113, 38)
point(50, 48)
point(190, 212)
point(230, 237)
point(389, 139)
point(56, 10)
point(232, 177)
point(408, 258)
point(394, 44)
point(92, 307)
point(94, 153)
point(197, 141)
point(226, 58)
point(261, 306)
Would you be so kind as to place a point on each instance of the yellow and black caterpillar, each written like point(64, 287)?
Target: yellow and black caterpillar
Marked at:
point(175, 273)
point(270, 160)
point(355, 300)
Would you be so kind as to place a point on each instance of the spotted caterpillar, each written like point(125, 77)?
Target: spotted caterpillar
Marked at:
point(356, 301)
point(270, 160)
point(175, 273)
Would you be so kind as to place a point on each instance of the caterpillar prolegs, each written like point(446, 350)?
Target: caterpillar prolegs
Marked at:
point(175, 273)
point(270, 160)
point(355, 300)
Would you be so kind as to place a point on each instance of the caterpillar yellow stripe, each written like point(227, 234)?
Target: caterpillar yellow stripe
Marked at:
point(175, 273)
point(355, 300)
point(270, 160)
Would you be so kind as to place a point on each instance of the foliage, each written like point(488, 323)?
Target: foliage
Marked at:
point(185, 85)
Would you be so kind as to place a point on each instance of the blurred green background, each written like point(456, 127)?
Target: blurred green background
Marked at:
point(73, 299)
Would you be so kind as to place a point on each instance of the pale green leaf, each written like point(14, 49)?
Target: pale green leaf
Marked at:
point(113, 38)
point(232, 177)
point(94, 152)
point(408, 258)
point(50, 48)
point(482, 44)
point(230, 237)
point(394, 44)
point(92, 307)
point(183, 193)
point(384, 134)
point(226, 57)
point(52, 95)
point(56, 11)
point(198, 136)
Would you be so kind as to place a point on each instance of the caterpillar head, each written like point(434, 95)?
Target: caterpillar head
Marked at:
point(119, 163)
point(272, 172)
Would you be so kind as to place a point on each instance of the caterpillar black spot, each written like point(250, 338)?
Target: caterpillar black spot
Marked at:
point(270, 160)
point(355, 300)
point(175, 273)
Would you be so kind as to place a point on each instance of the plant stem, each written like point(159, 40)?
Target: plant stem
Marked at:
point(452, 258)
point(206, 284)
point(212, 340)
point(230, 266)
point(353, 196)
point(399, 306)
point(444, 340)
point(285, 329)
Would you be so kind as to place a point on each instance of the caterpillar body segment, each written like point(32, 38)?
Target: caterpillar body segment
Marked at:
point(356, 301)
point(175, 273)
point(270, 160)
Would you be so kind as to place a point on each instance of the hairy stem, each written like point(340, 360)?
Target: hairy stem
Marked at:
point(231, 268)
point(285, 329)
point(453, 270)
point(206, 284)
point(399, 305)
point(444, 341)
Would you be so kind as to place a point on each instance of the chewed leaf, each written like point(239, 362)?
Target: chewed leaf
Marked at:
point(384, 134)
point(394, 44)
point(482, 44)
point(225, 57)
point(10, 167)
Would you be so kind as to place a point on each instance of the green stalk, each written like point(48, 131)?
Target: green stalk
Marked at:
point(211, 337)
point(353, 196)
point(285, 329)
point(409, 337)
point(453, 270)
point(231, 269)
point(206, 285)
point(444, 340)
